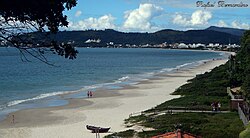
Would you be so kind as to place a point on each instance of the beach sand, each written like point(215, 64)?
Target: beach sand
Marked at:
point(108, 108)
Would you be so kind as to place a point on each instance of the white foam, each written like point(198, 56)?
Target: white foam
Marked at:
point(124, 78)
point(41, 96)
point(2, 107)
point(132, 79)
point(89, 87)
point(166, 70)
point(184, 65)
point(46, 95)
point(191, 64)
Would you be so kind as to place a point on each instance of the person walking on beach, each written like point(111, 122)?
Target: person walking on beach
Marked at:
point(88, 94)
point(13, 119)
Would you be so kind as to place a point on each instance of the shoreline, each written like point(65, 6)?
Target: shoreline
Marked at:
point(60, 97)
point(108, 108)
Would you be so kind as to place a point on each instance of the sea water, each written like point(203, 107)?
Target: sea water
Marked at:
point(35, 84)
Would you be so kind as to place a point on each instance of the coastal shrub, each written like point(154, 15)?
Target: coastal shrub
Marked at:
point(213, 83)
point(202, 91)
point(148, 134)
point(193, 102)
point(245, 133)
point(240, 66)
point(133, 119)
point(207, 125)
point(124, 134)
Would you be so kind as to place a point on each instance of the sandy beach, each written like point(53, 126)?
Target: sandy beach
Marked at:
point(108, 108)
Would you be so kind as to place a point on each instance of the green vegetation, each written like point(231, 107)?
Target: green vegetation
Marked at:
point(202, 91)
point(18, 18)
point(245, 133)
point(240, 72)
point(207, 125)
point(128, 133)
point(198, 94)
point(193, 103)
point(240, 66)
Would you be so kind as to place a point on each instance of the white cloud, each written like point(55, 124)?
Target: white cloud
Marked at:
point(236, 24)
point(198, 18)
point(140, 19)
point(78, 13)
point(172, 3)
point(103, 22)
point(221, 23)
point(180, 20)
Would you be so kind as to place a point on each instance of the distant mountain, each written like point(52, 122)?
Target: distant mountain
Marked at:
point(170, 36)
point(232, 31)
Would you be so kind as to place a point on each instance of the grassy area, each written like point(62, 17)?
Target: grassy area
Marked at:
point(207, 125)
point(193, 102)
point(212, 83)
point(201, 92)
point(245, 133)
point(124, 134)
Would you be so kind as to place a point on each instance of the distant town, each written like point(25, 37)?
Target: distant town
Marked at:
point(93, 43)
point(200, 46)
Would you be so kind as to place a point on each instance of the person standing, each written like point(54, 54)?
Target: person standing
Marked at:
point(219, 106)
point(213, 107)
point(216, 106)
point(88, 94)
point(13, 119)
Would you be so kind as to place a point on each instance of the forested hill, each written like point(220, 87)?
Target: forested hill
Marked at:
point(233, 31)
point(169, 36)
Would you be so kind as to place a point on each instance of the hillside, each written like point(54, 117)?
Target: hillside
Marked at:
point(232, 31)
point(170, 36)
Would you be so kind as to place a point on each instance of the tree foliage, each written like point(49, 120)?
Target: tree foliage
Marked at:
point(240, 66)
point(244, 57)
point(18, 18)
point(45, 12)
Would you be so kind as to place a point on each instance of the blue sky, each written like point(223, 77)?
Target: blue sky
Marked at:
point(154, 15)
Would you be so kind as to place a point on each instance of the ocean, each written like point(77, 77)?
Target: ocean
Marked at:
point(34, 84)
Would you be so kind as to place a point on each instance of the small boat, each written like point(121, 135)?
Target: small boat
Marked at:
point(95, 129)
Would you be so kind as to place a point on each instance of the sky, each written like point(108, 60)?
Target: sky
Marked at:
point(155, 15)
